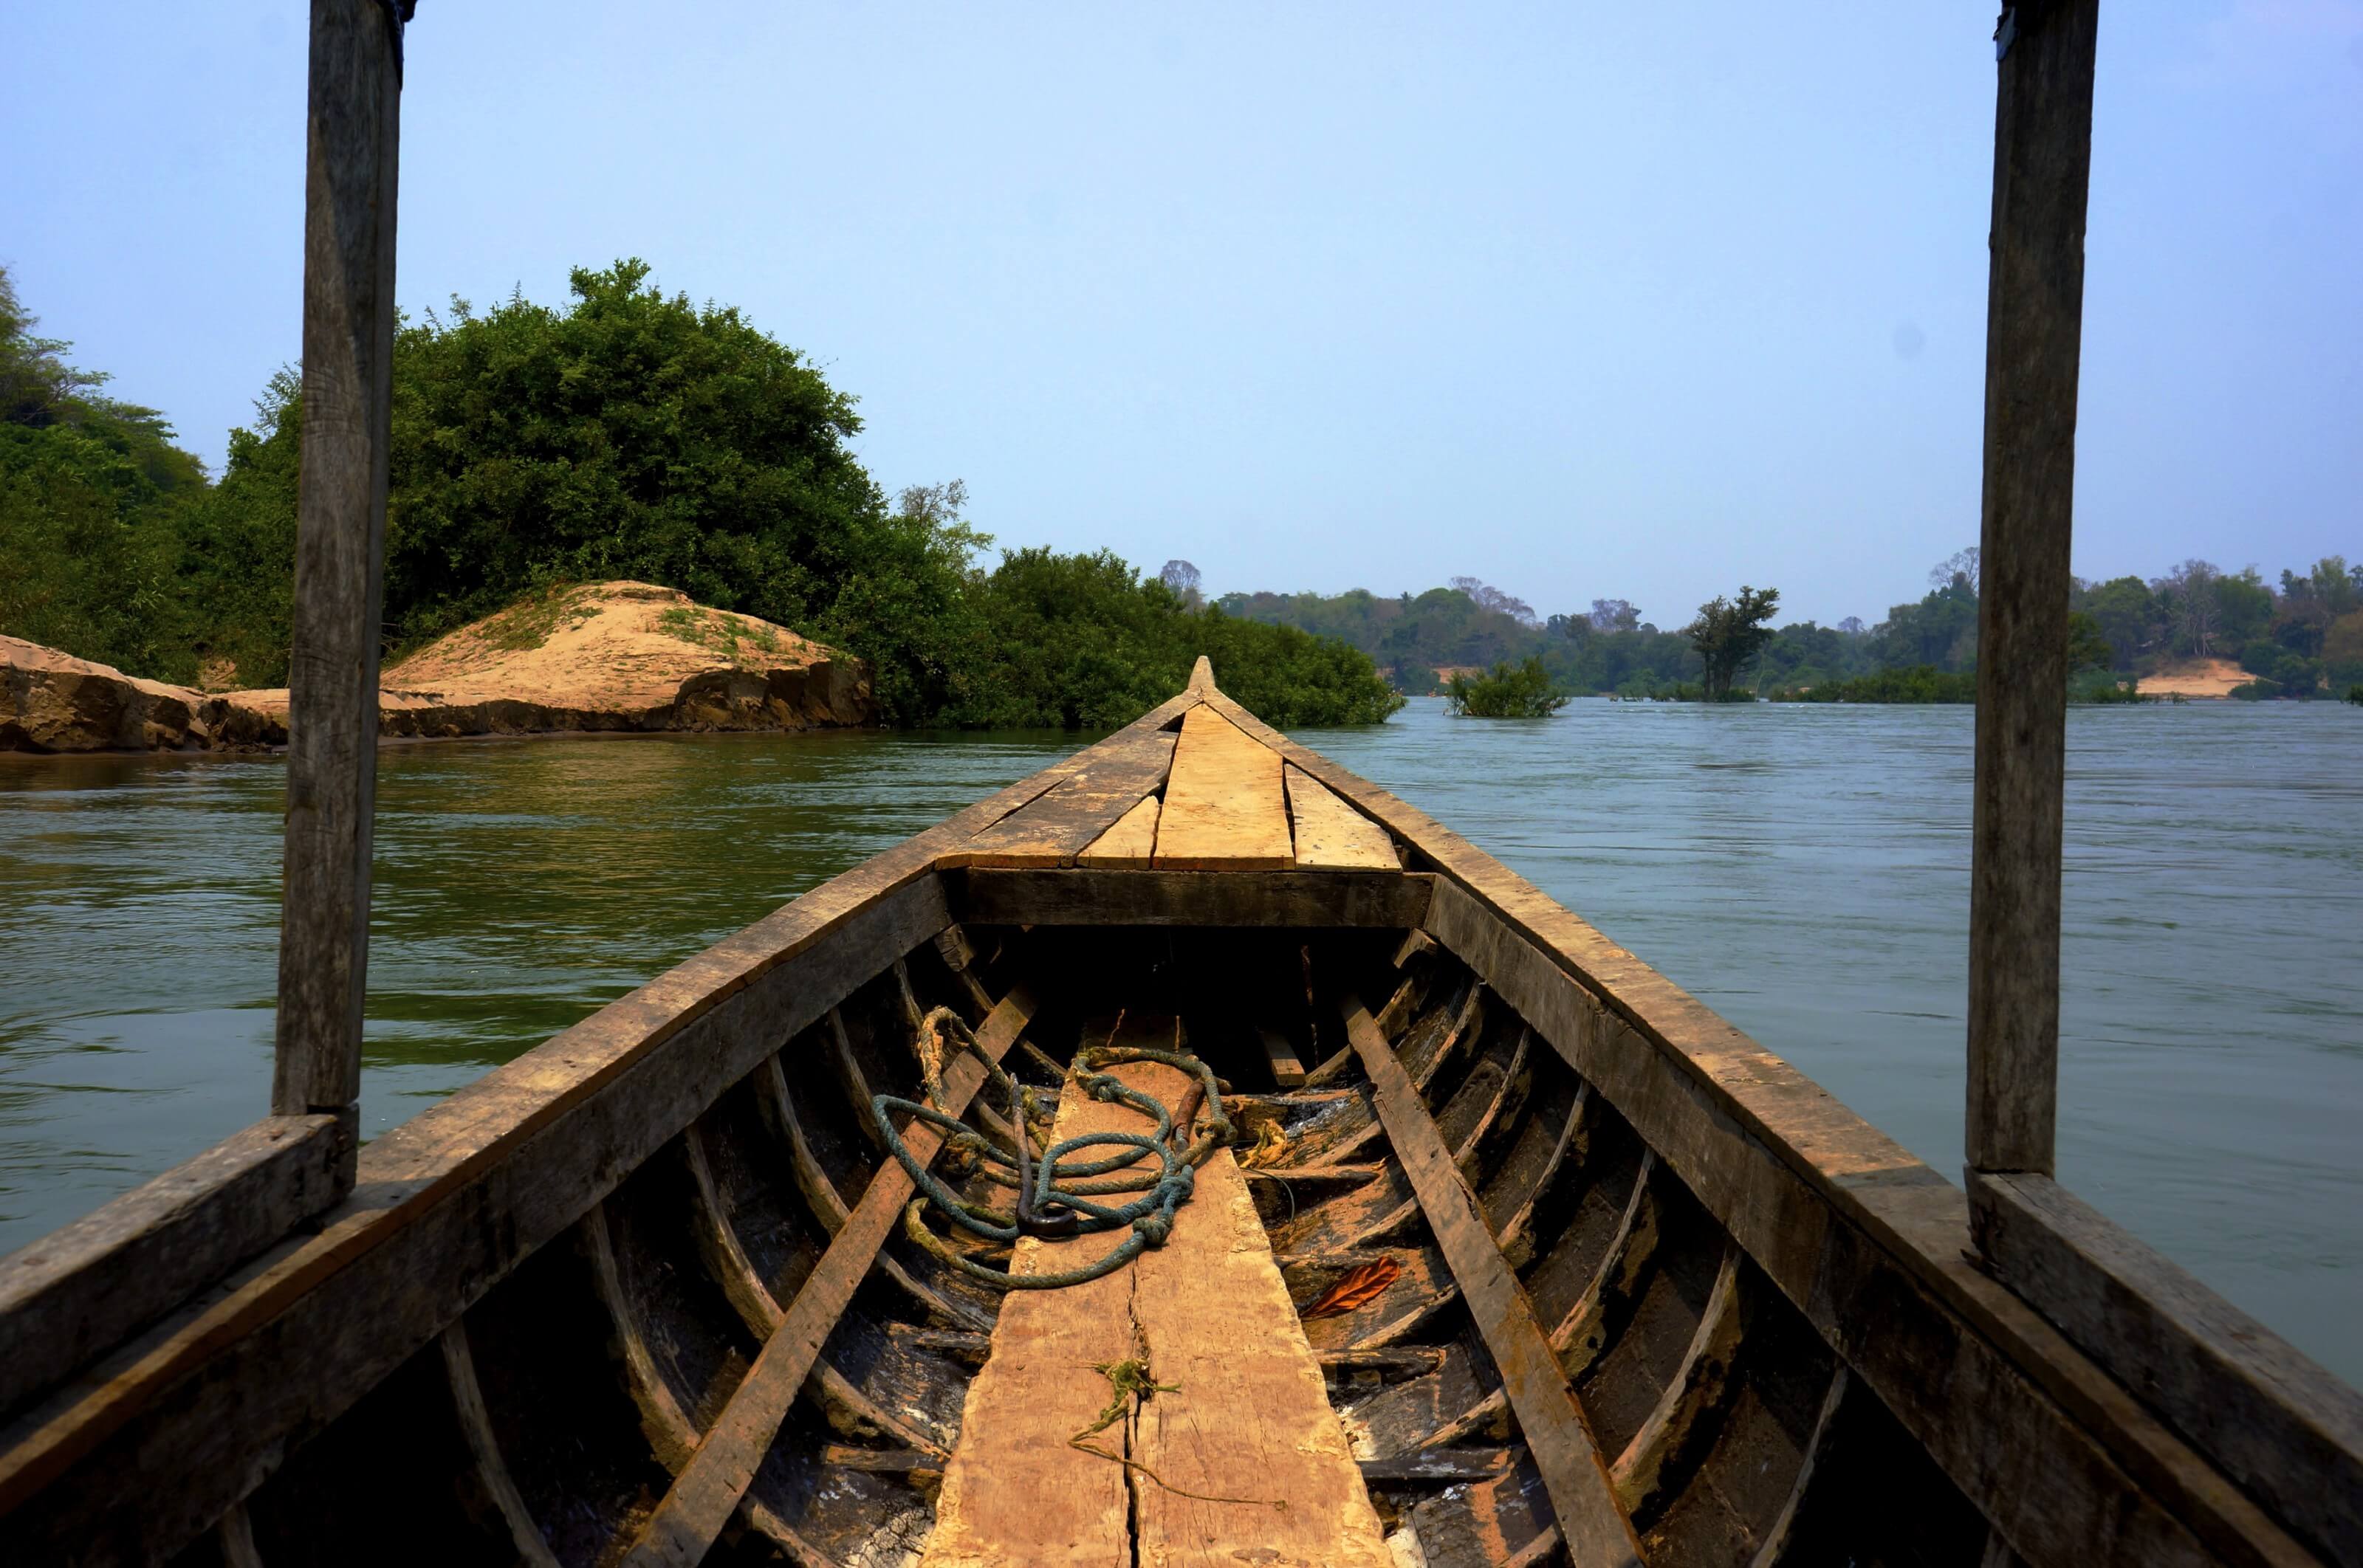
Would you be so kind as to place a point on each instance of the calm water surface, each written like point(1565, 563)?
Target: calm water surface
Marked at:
point(1804, 869)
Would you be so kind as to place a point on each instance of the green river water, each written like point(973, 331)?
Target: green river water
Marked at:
point(1802, 869)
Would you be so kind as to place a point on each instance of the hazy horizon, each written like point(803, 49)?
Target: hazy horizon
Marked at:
point(1630, 304)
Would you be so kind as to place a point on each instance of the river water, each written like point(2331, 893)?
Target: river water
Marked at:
point(1802, 869)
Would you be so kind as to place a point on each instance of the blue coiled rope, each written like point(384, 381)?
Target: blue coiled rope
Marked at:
point(1054, 1191)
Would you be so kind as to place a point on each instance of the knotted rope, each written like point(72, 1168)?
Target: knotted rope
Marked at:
point(1054, 1190)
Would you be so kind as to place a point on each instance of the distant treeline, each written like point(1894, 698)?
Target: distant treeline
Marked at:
point(627, 435)
point(2303, 636)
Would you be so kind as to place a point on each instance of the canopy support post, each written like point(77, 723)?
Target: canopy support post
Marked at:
point(351, 148)
point(2042, 148)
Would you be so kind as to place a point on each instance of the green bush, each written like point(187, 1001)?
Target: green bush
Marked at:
point(1507, 691)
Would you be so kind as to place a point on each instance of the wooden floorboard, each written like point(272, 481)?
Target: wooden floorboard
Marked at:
point(1130, 844)
point(1224, 805)
point(1250, 1419)
point(1330, 833)
point(1058, 825)
point(1015, 1494)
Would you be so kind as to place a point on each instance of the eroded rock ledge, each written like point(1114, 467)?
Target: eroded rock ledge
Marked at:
point(610, 657)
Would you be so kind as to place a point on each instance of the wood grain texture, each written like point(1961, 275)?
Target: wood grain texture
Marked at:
point(1250, 1419)
point(1015, 1494)
point(707, 1491)
point(492, 1477)
point(172, 1428)
point(1796, 1176)
point(77, 1291)
point(1225, 808)
point(1329, 833)
point(2035, 302)
point(1993, 1420)
point(1299, 899)
point(1287, 1069)
point(1550, 1420)
point(1063, 821)
point(2281, 1425)
point(354, 132)
point(1129, 844)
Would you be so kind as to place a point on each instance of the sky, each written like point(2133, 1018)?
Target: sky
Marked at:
point(1586, 301)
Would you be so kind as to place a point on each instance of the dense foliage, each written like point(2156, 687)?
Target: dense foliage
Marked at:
point(93, 494)
point(1523, 691)
point(1728, 635)
point(2296, 639)
point(629, 435)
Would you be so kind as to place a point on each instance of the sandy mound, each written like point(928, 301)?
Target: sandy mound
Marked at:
point(2195, 677)
point(601, 657)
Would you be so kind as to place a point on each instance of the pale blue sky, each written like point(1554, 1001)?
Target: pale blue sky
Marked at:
point(1584, 300)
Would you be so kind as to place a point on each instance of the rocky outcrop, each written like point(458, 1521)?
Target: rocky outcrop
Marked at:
point(54, 702)
point(601, 657)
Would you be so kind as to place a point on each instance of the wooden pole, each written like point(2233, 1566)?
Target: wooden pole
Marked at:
point(348, 219)
point(2043, 145)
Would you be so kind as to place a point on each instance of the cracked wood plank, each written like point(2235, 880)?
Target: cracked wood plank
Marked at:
point(1015, 1494)
point(1225, 807)
point(1250, 1419)
point(1332, 834)
point(1130, 844)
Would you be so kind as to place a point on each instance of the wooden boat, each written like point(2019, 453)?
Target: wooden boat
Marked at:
point(1516, 1255)
point(1498, 1249)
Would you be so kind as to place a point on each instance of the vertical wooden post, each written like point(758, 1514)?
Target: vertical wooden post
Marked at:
point(2043, 144)
point(354, 126)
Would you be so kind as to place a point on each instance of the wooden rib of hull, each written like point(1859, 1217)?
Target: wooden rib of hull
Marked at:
point(634, 1297)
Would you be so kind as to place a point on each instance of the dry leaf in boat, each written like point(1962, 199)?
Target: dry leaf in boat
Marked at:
point(1358, 1287)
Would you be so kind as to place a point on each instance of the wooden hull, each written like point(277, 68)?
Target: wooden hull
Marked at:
point(1632, 1287)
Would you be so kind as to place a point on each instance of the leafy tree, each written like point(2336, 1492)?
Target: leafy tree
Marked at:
point(2127, 615)
point(91, 492)
point(1729, 633)
point(1523, 691)
point(1615, 615)
point(1182, 578)
point(2194, 607)
point(2342, 649)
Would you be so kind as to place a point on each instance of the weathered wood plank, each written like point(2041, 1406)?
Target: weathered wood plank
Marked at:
point(1250, 1419)
point(2035, 304)
point(1548, 1417)
point(1056, 827)
point(1303, 899)
point(354, 135)
point(1287, 1068)
point(492, 1478)
point(77, 1291)
point(1696, 1389)
point(2281, 1425)
point(1225, 806)
point(707, 1490)
point(1332, 835)
point(1774, 1547)
point(1798, 1176)
point(1129, 844)
point(1015, 1492)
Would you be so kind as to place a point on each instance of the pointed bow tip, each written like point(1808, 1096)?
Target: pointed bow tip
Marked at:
point(1201, 678)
